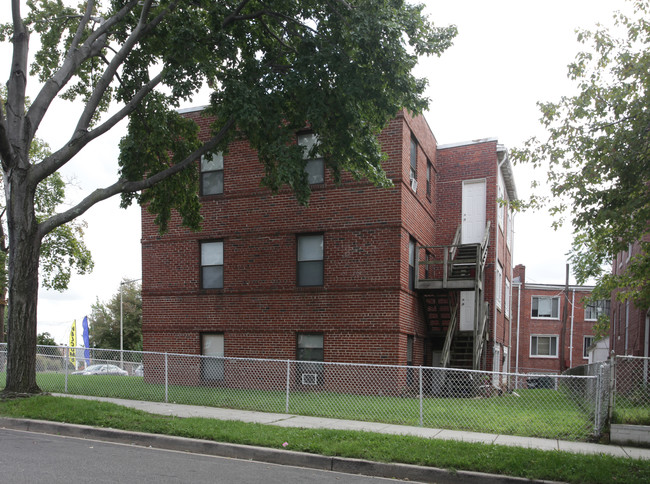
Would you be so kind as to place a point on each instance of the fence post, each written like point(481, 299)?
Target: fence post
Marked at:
point(599, 396)
point(166, 380)
point(286, 404)
point(612, 387)
point(421, 416)
point(65, 364)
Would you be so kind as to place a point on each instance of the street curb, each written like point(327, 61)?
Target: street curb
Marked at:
point(260, 454)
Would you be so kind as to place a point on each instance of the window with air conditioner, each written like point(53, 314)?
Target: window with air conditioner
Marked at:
point(414, 165)
point(309, 353)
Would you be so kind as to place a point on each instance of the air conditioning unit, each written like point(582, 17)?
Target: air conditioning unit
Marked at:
point(414, 184)
point(309, 379)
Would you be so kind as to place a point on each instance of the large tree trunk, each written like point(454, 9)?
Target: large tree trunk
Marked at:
point(24, 246)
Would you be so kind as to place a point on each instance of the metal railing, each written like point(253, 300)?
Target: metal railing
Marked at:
point(565, 407)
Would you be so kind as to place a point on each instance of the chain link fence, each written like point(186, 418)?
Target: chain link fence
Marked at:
point(631, 391)
point(539, 405)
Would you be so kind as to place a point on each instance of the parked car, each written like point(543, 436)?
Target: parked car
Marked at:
point(101, 370)
point(139, 370)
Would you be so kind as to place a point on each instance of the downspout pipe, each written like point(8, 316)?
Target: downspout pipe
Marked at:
point(573, 309)
point(496, 265)
point(518, 317)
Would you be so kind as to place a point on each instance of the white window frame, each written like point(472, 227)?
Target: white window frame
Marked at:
point(550, 338)
point(507, 299)
point(209, 166)
point(413, 161)
point(509, 230)
point(585, 346)
point(211, 260)
point(500, 208)
point(593, 311)
point(499, 288)
point(213, 352)
point(320, 262)
point(545, 317)
point(315, 167)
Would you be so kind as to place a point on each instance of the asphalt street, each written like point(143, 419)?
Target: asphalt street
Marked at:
point(28, 457)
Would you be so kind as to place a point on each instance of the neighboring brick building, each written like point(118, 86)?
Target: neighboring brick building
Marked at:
point(337, 281)
point(629, 324)
point(537, 326)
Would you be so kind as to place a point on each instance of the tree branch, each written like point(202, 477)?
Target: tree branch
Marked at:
point(6, 152)
point(15, 107)
point(56, 160)
point(233, 16)
point(74, 58)
point(82, 25)
point(122, 186)
point(278, 39)
point(111, 71)
point(258, 14)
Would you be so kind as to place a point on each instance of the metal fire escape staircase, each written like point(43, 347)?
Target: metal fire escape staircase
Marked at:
point(442, 273)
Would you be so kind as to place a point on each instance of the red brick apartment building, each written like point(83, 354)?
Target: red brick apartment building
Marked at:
point(629, 324)
point(537, 324)
point(416, 274)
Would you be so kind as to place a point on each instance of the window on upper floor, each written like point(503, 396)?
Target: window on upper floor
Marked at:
point(545, 307)
point(499, 286)
point(429, 175)
point(212, 265)
point(543, 345)
point(212, 174)
point(414, 164)
point(500, 205)
point(506, 308)
point(412, 249)
point(510, 230)
point(595, 309)
point(315, 166)
point(587, 342)
point(310, 260)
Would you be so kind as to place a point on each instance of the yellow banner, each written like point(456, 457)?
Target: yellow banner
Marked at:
point(73, 343)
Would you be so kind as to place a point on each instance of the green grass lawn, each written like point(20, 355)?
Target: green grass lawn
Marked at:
point(512, 461)
point(534, 413)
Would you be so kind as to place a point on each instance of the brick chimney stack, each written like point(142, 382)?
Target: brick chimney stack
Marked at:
point(520, 272)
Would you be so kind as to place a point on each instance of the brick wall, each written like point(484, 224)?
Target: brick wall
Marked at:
point(576, 325)
point(627, 321)
point(365, 309)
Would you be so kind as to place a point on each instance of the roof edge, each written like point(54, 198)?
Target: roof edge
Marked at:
point(191, 110)
point(467, 143)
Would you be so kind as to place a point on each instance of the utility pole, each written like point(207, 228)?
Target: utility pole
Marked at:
point(565, 314)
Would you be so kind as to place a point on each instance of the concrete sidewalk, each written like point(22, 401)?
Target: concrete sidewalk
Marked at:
point(288, 420)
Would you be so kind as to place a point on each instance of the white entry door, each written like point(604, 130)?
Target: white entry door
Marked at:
point(466, 311)
point(473, 211)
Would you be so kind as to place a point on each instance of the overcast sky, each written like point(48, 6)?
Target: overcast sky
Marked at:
point(507, 56)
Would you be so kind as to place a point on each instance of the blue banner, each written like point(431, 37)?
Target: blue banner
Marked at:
point(86, 338)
